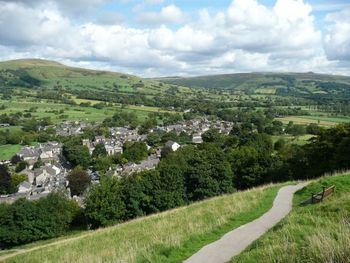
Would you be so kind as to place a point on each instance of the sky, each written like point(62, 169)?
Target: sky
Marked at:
point(154, 38)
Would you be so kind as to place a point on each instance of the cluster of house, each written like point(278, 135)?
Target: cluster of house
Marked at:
point(124, 134)
point(48, 152)
point(111, 145)
point(50, 176)
point(197, 127)
point(69, 128)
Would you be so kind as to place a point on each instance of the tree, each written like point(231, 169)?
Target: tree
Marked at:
point(313, 128)
point(169, 136)
point(30, 125)
point(280, 144)
point(16, 179)
point(153, 139)
point(27, 221)
point(76, 153)
point(147, 125)
point(79, 181)
point(5, 179)
point(103, 163)
point(38, 163)
point(15, 159)
point(208, 174)
point(141, 193)
point(99, 151)
point(172, 192)
point(245, 164)
point(104, 204)
point(211, 135)
point(135, 152)
point(21, 166)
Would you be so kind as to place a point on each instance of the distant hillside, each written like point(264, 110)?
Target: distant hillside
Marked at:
point(295, 84)
point(34, 73)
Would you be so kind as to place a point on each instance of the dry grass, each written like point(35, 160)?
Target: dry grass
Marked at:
point(148, 239)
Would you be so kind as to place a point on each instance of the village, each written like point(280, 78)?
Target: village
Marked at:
point(47, 168)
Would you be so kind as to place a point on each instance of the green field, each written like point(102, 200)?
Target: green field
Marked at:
point(46, 108)
point(269, 91)
point(328, 119)
point(312, 233)
point(167, 237)
point(306, 120)
point(7, 151)
point(11, 128)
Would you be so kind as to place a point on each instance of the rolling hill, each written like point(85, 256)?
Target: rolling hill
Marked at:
point(35, 73)
point(295, 84)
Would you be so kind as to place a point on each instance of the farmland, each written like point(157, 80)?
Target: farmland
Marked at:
point(322, 121)
point(59, 112)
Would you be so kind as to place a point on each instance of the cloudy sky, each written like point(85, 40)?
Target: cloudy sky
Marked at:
point(180, 37)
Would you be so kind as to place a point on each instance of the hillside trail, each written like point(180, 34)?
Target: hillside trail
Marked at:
point(222, 250)
point(234, 242)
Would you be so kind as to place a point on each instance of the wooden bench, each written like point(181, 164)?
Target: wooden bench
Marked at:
point(319, 197)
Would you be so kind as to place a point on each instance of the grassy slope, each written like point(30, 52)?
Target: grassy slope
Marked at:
point(314, 233)
point(50, 73)
point(167, 237)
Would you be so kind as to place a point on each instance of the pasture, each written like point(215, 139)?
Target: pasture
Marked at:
point(59, 112)
point(306, 120)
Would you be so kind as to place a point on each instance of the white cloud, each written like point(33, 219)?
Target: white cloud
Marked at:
point(337, 39)
point(110, 18)
point(168, 15)
point(71, 7)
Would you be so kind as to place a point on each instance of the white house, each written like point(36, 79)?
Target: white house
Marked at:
point(24, 187)
point(174, 146)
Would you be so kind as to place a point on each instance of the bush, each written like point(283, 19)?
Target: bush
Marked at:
point(24, 221)
point(79, 181)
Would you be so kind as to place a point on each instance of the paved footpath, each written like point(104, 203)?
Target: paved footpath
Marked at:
point(234, 242)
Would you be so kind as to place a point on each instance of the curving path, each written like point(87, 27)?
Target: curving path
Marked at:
point(234, 242)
